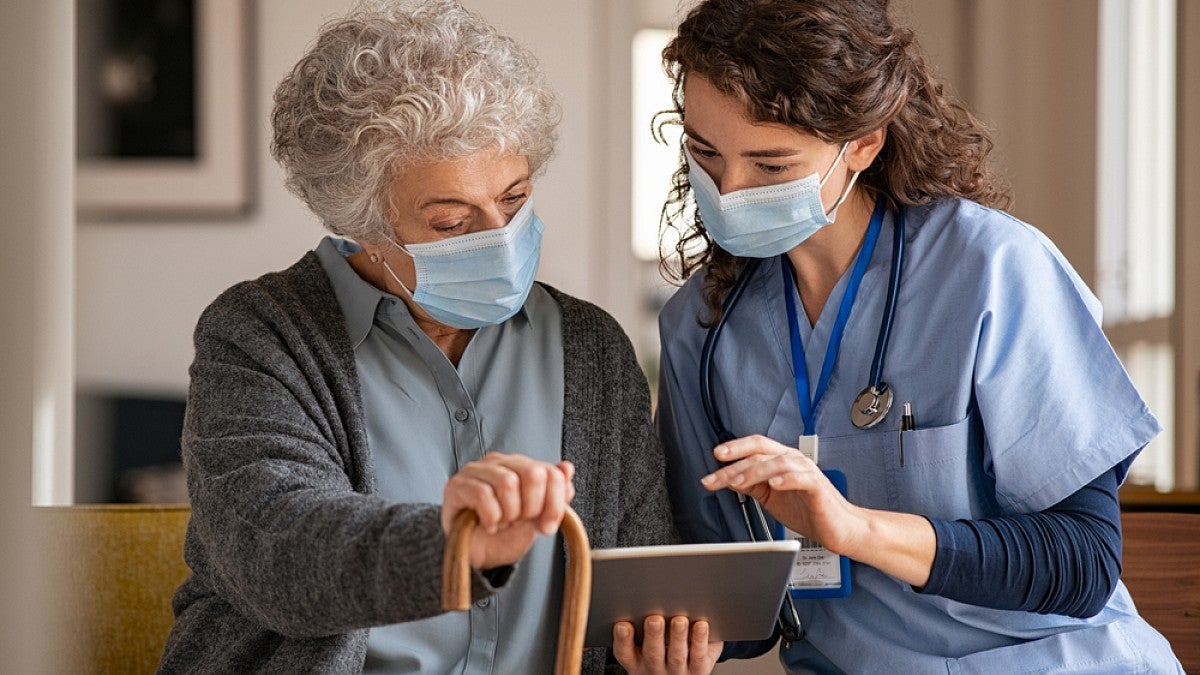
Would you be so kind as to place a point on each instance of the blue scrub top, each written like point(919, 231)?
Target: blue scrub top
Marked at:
point(1019, 401)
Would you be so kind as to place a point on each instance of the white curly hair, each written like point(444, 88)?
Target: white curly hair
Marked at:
point(397, 82)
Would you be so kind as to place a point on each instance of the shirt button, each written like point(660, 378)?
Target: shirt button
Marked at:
point(461, 414)
point(482, 604)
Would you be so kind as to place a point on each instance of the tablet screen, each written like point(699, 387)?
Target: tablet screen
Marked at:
point(736, 587)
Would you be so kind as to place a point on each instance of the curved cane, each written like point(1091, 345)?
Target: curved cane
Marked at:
point(577, 590)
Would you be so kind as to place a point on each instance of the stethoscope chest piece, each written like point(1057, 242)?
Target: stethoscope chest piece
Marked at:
point(871, 406)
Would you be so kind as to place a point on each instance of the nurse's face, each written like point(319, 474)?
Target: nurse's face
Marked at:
point(738, 153)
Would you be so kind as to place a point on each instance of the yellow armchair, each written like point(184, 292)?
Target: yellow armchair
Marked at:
point(113, 570)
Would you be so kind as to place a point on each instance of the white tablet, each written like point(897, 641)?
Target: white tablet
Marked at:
point(736, 587)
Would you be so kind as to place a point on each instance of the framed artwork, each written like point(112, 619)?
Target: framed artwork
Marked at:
point(161, 107)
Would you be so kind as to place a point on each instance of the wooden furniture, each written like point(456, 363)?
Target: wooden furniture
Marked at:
point(1161, 568)
point(113, 569)
point(1146, 498)
point(577, 590)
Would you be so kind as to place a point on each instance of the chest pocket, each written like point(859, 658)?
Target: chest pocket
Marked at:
point(942, 476)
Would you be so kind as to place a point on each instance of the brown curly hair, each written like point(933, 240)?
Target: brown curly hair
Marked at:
point(836, 69)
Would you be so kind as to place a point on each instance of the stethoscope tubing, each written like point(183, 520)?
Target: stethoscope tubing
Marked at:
point(710, 345)
point(889, 308)
point(707, 394)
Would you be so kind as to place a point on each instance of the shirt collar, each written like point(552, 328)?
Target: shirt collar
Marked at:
point(360, 300)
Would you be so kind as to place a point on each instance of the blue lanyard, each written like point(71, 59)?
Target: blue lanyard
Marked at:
point(808, 406)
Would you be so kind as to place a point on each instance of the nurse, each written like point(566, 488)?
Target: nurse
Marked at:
point(849, 232)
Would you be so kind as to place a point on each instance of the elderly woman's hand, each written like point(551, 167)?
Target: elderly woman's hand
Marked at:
point(516, 499)
point(668, 648)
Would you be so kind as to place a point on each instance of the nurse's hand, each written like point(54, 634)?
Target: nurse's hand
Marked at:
point(666, 650)
point(793, 489)
point(798, 494)
point(516, 499)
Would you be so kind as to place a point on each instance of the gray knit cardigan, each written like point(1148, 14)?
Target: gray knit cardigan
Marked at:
point(292, 556)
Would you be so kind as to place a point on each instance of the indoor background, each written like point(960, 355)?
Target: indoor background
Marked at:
point(104, 274)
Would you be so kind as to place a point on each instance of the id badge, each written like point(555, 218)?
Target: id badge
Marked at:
point(818, 572)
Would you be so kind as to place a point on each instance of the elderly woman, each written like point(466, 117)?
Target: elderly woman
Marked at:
point(344, 410)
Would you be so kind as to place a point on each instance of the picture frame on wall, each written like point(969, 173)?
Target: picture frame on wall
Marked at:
point(162, 108)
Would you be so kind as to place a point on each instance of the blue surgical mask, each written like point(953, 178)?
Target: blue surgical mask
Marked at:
point(763, 222)
point(477, 279)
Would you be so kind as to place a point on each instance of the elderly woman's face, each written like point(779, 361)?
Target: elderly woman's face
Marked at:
point(451, 197)
point(439, 200)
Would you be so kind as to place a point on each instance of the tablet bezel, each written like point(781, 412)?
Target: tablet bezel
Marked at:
point(737, 587)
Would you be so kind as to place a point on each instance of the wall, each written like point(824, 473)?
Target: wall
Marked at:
point(1186, 326)
point(141, 286)
point(36, 164)
point(1034, 76)
point(1027, 68)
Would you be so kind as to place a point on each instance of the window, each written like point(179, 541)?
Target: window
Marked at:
point(653, 162)
point(1136, 209)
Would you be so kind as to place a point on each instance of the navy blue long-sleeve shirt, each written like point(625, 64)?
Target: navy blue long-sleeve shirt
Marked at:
point(1064, 560)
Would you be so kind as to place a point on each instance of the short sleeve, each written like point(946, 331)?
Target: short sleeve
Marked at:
point(1057, 405)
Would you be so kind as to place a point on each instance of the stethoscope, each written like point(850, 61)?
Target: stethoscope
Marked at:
point(869, 408)
point(872, 404)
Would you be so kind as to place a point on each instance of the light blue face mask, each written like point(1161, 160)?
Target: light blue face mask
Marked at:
point(763, 222)
point(477, 279)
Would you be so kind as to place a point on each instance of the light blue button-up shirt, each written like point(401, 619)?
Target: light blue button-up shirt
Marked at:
point(425, 419)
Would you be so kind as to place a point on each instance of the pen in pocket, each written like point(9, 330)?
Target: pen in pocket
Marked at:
point(906, 424)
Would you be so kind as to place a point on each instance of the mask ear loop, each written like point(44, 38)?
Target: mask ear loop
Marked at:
point(832, 212)
point(397, 279)
point(388, 267)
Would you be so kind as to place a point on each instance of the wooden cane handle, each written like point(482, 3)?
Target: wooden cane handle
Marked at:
point(577, 595)
point(456, 563)
point(577, 589)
